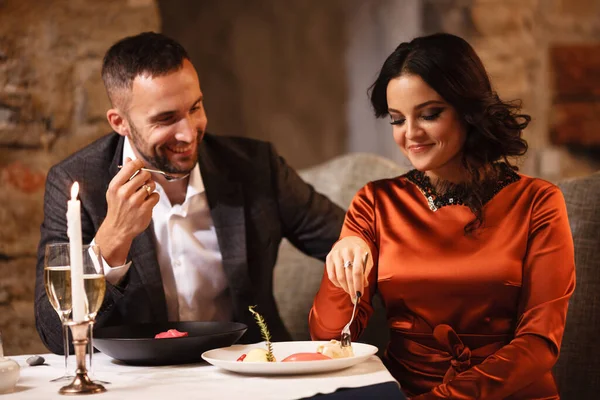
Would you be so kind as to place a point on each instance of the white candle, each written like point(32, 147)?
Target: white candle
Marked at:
point(76, 254)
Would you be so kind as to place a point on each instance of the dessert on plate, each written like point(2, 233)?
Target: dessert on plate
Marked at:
point(328, 351)
point(334, 349)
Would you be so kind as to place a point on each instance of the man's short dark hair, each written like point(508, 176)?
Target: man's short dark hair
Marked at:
point(147, 53)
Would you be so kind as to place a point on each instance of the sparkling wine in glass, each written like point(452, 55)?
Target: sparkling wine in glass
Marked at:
point(57, 281)
point(95, 287)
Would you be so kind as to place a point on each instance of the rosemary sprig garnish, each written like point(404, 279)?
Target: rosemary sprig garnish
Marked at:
point(264, 331)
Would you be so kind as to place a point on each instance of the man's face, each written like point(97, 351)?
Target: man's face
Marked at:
point(166, 119)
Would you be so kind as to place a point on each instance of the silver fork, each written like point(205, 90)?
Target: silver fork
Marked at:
point(345, 339)
point(346, 335)
point(170, 178)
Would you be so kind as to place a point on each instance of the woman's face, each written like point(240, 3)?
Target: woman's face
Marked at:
point(427, 129)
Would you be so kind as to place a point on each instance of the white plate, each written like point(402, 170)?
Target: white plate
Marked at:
point(226, 357)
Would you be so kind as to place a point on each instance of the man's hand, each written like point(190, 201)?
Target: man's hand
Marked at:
point(130, 203)
point(345, 265)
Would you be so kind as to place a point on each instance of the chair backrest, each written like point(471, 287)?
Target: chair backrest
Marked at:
point(578, 368)
point(297, 277)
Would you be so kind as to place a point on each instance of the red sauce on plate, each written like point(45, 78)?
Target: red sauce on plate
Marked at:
point(171, 333)
point(305, 357)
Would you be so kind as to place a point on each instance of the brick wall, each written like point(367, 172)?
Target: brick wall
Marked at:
point(52, 102)
point(575, 109)
point(515, 39)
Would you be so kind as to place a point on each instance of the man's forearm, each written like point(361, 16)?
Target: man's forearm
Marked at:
point(114, 247)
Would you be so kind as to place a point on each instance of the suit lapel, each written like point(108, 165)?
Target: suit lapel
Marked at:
point(226, 201)
point(143, 255)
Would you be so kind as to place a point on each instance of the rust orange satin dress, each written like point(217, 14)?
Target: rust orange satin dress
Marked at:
point(470, 317)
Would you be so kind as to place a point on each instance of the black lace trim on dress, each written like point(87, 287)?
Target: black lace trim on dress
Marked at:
point(453, 195)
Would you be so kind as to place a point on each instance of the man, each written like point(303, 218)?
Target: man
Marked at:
point(200, 246)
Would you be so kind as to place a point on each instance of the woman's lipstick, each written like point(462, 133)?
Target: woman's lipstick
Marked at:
point(420, 148)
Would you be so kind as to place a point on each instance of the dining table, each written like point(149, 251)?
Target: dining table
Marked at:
point(368, 379)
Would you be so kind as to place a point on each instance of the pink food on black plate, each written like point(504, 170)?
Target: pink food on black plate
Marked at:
point(171, 333)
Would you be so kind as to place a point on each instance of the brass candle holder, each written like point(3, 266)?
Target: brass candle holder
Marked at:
point(82, 384)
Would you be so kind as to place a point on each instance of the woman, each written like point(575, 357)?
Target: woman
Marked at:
point(473, 260)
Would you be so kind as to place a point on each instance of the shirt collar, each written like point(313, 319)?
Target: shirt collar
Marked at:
point(195, 183)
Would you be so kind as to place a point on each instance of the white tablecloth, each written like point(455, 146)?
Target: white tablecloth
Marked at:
point(192, 381)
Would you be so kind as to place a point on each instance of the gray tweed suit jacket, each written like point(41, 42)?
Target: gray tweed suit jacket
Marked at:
point(255, 199)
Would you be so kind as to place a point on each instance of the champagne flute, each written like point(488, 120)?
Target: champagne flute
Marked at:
point(57, 281)
point(95, 287)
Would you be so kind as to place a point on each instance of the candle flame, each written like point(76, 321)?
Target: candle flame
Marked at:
point(74, 191)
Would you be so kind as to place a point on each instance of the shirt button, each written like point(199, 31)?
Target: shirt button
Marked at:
point(177, 263)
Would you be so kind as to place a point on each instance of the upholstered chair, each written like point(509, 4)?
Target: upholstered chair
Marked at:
point(578, 368)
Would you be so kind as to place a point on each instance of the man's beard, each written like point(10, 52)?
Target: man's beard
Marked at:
point(160, 162)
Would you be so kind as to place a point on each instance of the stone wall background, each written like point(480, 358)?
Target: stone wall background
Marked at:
point(269, 69)
point(514, 39)
point(52, 102)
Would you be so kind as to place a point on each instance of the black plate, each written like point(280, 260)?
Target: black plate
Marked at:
point(135, 344)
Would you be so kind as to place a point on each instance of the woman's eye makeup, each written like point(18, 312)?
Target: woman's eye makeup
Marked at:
point(396, 120)
point(432, 114)
point(428, 115)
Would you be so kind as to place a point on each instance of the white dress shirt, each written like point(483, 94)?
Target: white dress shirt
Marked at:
point(188, 253)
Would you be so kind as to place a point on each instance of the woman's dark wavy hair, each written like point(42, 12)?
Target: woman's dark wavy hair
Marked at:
point(450, 66)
